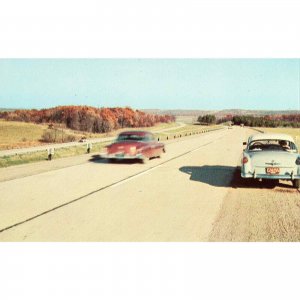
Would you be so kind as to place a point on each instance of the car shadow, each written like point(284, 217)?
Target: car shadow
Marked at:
point(227, 176)
point(97, 158)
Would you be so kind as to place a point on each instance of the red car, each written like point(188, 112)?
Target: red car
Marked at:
point(135, 145)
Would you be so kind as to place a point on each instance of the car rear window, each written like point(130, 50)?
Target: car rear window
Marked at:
point(130, 137)
point(272, 145)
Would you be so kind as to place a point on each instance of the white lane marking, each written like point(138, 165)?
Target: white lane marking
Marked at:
point(137, 175)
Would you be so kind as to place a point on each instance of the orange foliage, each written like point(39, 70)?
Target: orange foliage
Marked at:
point(87, 118)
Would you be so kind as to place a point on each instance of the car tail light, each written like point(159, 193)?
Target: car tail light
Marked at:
point(298, 160)
point(245, 160)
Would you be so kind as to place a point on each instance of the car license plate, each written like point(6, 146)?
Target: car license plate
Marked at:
point(272, 171)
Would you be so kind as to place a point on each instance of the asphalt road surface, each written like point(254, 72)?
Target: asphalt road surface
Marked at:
point(193, 193)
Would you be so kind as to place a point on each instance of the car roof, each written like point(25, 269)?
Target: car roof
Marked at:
point(271, 136)
point(135, 132)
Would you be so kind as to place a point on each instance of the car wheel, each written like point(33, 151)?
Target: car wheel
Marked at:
point(246, 182)
point(296, 183)
point(162, 151)
point(111, 160)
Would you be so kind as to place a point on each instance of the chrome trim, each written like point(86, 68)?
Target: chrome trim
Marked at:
point(273, 163)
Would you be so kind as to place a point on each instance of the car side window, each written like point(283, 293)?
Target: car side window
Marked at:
point(293, 147)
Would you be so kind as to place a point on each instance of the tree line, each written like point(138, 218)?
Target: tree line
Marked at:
point(269, 121)
point(87, 118)
point(286, 120)
point(207, 119)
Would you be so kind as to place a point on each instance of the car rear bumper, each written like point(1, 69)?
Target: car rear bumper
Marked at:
point(121, 156)
point(267, 176)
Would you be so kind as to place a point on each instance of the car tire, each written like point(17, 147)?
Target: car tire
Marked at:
point(111, 160)
point(246, 182)
point(296, 183)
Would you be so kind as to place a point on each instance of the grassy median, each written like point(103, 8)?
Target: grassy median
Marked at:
point(185, 131)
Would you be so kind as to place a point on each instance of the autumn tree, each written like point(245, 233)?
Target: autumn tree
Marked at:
point(87, 118)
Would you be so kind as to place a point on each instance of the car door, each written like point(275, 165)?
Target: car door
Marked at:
point(156, 146)
point(152, 145)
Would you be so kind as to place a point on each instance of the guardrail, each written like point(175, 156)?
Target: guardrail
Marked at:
point(258, 130)
point(185, 134)
point(12, 152)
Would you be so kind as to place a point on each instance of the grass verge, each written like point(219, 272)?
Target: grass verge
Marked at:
point(7, 161)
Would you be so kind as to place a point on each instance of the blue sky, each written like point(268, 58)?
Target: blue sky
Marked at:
point(151, 83)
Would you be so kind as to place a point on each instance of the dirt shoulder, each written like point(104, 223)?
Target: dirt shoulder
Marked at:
point(258, 211)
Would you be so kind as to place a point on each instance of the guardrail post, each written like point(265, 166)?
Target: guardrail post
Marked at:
point(167, 137)
point(158, 139)
point(50, 153)
point(88, 147)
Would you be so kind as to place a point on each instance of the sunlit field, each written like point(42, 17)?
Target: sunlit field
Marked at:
point(186, 119)
point(21, 134)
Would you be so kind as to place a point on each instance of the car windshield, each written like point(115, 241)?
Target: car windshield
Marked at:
point(133, 137)
point(272, 145)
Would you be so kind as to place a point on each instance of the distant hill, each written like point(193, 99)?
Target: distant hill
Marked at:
point(7, 109)
point(178, 112)
point(256, 112)
point(220, 113)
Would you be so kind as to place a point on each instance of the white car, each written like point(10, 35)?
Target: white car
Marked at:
point(271, 156)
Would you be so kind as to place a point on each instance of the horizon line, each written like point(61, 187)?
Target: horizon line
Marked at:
point(160, 109)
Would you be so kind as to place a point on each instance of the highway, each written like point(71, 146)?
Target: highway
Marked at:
point(192, 193)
